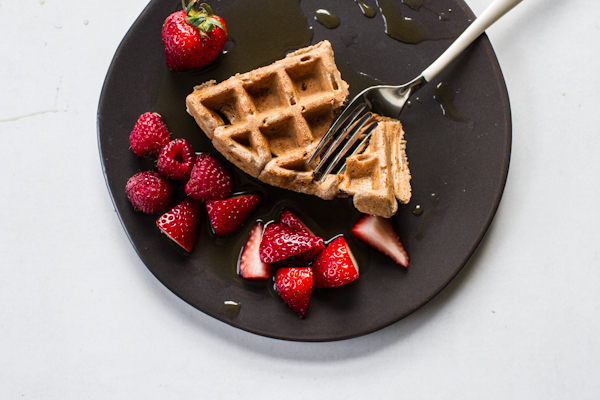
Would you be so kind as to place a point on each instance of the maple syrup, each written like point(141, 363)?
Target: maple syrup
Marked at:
point(327, 19)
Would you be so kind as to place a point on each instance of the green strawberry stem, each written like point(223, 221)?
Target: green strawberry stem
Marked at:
point(200, 16)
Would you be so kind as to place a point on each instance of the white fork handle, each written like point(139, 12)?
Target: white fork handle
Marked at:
point(491, 14)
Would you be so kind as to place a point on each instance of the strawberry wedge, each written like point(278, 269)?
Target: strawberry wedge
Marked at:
point(251, 267)
point(379, 233)
point(290, 220)
point(181, 223)
point(335, 266)
point(228, 215)
point(280, 242)
point(294, 285)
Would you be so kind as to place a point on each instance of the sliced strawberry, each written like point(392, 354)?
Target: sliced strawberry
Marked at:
point(251, 267)
point(280, 242)
point(228, 215)
point(209, 179)
point(181, 223)
point(290, 220)
point(379, 233)
point(294, 285)
point(335, 266)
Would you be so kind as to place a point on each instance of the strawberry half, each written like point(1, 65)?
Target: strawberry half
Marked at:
point(228, 215)
point(193, 37)
point(176, 160)
point(181, 223)
point(280, 242)
point(294, 285)
point(149, 192)
point(209, 179)
point(290, 220)
point(379, 233)
point(149, 135)
point(335, 266)
point(251, 267)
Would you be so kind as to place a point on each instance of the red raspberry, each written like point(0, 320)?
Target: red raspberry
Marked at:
point(149, 135)
point(149, 192)
point(176, 160)
point(209, 179)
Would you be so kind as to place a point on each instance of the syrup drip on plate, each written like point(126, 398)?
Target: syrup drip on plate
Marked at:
point(231, 308)
point(412, 31)
point(418, 210)
point(327, 19)
point(418, 4)
point(433, 202)
point(444, 94)
point(366, 9)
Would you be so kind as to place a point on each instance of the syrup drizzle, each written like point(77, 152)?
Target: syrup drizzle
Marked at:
point(418, 4)
point(412, 31)
point(366, 9)
point(327, 19)
point(231, 308)
point(418, 210)
point(433, 202)
point(444, 94)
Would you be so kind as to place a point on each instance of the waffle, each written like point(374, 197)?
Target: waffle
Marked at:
point(378, 178)
point(267, 121)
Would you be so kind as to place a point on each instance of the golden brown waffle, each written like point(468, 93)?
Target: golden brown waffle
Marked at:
point(379, 177)
point(267, 121)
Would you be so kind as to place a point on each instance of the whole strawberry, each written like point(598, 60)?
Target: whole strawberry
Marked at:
point(149, 192)
point(193, 37)
point(149, 135)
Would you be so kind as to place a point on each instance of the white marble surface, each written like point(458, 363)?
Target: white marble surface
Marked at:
point(82, 318)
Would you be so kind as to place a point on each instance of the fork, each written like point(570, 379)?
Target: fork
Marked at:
point(389, 100)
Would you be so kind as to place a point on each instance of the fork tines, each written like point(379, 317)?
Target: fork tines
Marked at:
point(343, 135)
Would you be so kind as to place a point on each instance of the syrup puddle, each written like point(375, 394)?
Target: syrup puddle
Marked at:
point(418, 4)
point(366, 9)
point(433, 202)
point(444, 94)
point(412, 31)
point(327, 19)
point(231, 308)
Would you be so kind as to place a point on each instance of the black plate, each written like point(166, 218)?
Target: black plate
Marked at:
point(464, 164)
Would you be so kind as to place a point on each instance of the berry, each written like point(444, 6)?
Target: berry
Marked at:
point(149, 192)
point(294, 285)
point(293, 222)
point(209, 179)
point(176, 160)
point(228, 215)
point(335, 266)
point(149, 135)
point(279, 243)
point(181, 223)
point(193, 37)
point(250, 265)
point(379, 233)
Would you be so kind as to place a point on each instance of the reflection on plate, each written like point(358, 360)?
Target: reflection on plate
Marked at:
point(458, 168)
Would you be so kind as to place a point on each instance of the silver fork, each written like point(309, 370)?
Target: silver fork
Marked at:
point(390, 100)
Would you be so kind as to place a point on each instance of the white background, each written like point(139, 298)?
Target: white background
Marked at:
point(82, 318)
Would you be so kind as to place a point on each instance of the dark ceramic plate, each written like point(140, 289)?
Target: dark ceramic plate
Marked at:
point(459, 167)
